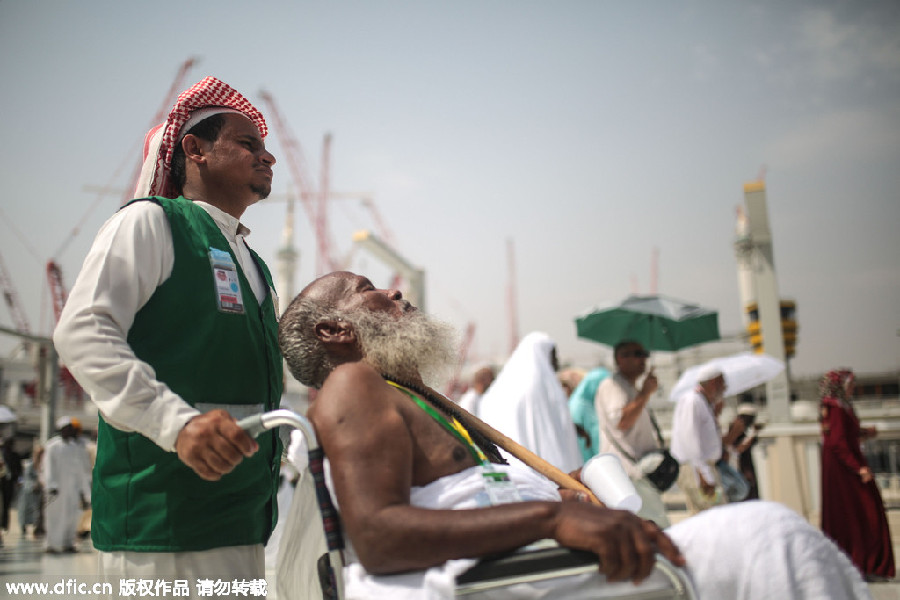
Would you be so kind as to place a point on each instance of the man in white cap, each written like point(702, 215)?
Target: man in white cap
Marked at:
point(67, 481)
point(697, 440)
point(171, 327)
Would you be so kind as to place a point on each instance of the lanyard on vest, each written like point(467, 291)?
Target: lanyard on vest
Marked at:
point(451, 425)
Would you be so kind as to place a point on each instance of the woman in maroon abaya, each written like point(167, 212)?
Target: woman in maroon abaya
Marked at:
point(852, 510)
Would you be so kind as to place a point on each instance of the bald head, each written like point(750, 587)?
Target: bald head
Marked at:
point(328, 289)
point(343, 317)
point(346, 291)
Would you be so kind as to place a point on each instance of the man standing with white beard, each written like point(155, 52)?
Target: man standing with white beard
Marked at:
point(697, 440)
point(416, 485)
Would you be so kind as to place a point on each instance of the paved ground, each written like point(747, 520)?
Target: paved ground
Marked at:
point(22, 560)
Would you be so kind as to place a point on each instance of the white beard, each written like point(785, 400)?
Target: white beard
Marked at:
point(414, 345)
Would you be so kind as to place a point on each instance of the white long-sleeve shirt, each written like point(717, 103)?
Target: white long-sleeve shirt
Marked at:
point(131, 256)
point(696, 437)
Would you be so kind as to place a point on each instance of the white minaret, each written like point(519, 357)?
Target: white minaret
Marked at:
point(780, 474)
point(758, 245)
point(295, 396)
point(743, 253)
point(287, 257)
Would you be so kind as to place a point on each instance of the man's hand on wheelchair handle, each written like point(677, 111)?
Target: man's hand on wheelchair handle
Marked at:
point(213, 444)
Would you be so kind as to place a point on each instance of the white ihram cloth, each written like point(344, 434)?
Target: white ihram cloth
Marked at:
point(66, 473)
point(458, 491)
point(763, 550)
point(746, 551)
point(527, 403)
point(696, 437)
point(303, 540)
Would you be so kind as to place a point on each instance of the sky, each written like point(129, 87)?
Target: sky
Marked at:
point(606, 143)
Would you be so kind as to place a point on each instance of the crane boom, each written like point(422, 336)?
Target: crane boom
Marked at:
point(73, 390)
point(383, 229)
point(12, 300)
point(300, 174)
point(57, 288)
point(324, 263)
point(159, 117)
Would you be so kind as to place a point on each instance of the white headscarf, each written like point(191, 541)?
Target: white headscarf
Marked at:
point(527, 403)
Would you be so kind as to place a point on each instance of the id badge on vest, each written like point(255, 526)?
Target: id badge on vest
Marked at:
point(228, 286)
point(500, 489)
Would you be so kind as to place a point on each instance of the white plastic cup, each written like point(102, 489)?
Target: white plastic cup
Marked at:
point(604, 475)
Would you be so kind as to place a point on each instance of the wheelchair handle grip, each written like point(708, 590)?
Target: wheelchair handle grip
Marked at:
point(253, 425)
point(256, 424)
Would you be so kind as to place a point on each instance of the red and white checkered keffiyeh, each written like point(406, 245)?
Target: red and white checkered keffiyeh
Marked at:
point(159, 144)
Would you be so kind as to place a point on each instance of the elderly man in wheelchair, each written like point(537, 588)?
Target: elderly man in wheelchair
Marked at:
point(423, 493)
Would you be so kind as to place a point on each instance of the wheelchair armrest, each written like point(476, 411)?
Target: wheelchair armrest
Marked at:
point(526, 562)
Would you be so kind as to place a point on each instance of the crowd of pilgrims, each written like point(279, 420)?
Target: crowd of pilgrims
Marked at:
point(51, 488)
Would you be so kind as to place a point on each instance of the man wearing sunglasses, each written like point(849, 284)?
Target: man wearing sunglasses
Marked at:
point(626, 426)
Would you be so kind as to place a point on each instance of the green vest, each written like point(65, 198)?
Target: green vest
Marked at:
point(146, 499)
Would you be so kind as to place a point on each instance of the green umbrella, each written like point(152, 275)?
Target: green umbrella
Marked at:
point(657, 322)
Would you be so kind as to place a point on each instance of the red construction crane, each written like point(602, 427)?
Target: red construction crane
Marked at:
point(59, 295)
point(308, 196)
point(385, 234)
point(383, 231)
point(316, 201)
point(324, 263)
point(12, 300)
point(160, 116)
point(126, 193)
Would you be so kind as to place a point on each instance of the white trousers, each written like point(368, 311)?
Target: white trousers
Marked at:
point(695, 497)
point(208, 573)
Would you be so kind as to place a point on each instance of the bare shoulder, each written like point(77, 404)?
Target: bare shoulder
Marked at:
point(353, 392)
point(347, 382)
point(360, 425)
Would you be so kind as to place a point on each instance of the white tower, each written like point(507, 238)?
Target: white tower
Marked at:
point(758, 246)
point(781, 477)
point(743, 253)
point(287, 257)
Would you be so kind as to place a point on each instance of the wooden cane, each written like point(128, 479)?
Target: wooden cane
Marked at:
point(554, 474)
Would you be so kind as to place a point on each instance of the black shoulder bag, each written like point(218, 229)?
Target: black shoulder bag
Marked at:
point(658, 465)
